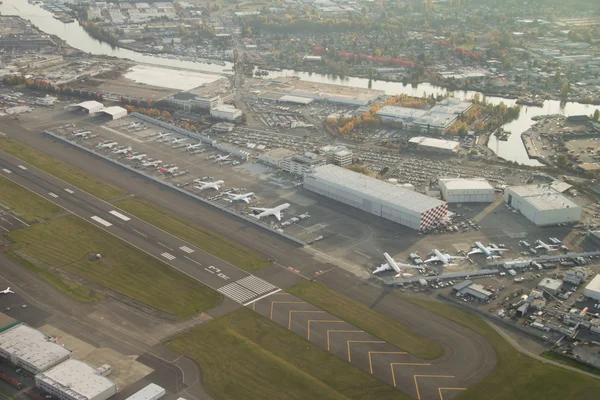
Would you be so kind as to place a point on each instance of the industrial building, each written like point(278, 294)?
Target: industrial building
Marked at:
point(542, 205)
point(150, 392)
point(187, 101)
point(456, 190)
point(551, 286)
point(342, 158)
point(226, 112)
point(90, 106)
point(434, 145)
point(276, 156)
point(30, 349)
point(114, 112)
point(592, 289)
point(408, 208)
point(299, 164)
point(75, 380)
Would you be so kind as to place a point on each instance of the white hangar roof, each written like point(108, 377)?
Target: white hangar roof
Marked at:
point(91, 105)
point(115, 111)
point(465, 184)
point(543, 197)
point(374, 188)
point(433, 142)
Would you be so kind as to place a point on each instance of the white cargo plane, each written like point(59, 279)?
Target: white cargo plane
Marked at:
point(164, 135)
point(240, 197)
point(191, 147)
point(6, 291)
point(80, 134)
point(169, 170)
point(548, 247)
point(398, 267)
point(491, 252)
point(176, 141)
point(108, 145)
point(275, 211)
point(445, 259)
point(223, 158)
point(123, 150)
point(151, 163)
point(208, 185)
point(137, 156)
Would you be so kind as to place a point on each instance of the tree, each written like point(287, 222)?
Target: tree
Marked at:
point(596, 116)
point(562, 160)
point(564, 90)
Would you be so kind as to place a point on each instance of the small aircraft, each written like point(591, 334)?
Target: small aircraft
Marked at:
point(176, 141)
point(163, 135)
point(191, 147)
point(223, 158)
point(240, 197)
point(398, 267)
point(83, 133)
point(137, 156)
point(169, 170)
point(491, 252)
point(151, 163)
point(265, 212)
point(123, 150)
point(134, 125)
point(548, 247)
point(445, 259)
point(6, 291)
point(106, 145)
point(208, 185)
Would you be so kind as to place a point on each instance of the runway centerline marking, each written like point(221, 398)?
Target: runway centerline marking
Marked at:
point(194, 261)
point(300, 311)
point(24, 168)
point(119, 215)
point(382, 352)
point(427, 376)
point(332, 321)
point(165, 246)
point(101, 221)
point(445, 388)
point(284, 302)
point(69, 191)
point(340, 330)
point(406, 364)
point(139, 233)
point(168, 256)
point(360, 341)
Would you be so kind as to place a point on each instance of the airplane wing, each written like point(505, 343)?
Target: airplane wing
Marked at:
point(277, 214)
point(246, 199)
point(449, 257)
point(259, 209)
point(383, 267)
point(405, 266)
point(434, 258)
point(475, 251)
point(539, 246)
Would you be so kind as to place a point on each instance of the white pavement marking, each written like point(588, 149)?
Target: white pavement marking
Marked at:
point(4, 228)
point(262, 297)
point(69, 191)
point(165, 246)
point(187, 249)
point(194, 261)
point(138, 232)
point(53, 195)
point(237, 292)
point(101, 221)
point(168, 256)
point(24, 168)
point(8, 171)
point(119, 215)
point(20, 220)
point(255, 284)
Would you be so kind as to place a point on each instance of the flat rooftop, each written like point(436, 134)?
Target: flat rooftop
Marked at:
point(401, 112)
point(594, 284)
point(169, 78)
point(435, 143)
point(543, 197)
point(148, 392)
point(371, 187)
point(473, 184)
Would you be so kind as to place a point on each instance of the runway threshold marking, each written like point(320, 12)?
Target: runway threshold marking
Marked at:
point(119, 215)
point(427, 376)
point(332, 321)
point(360, 341)
point(101, 221)
point(445, 388)
point(283, 302)
point(168, 256)
point(186, 249)
point(69, 191)
point(339, 331)
point(53, 195)
point(237, 292)
point(392, 365)
point(300, 311)
point(382, 352)
point(24, 168)
point(8, 171)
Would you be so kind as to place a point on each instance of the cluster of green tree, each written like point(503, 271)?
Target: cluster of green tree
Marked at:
point(596, 116)
point(100, 34)
point(40, 84)
point(13, 80)
point(299, 22)
point(151, 112)
point(145, 103)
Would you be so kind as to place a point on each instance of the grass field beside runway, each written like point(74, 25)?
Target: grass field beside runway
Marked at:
point(22, 203)
point(516, 376)
point(66, 242)
point(550, 355)
point(204, 239)
point(245, 356)
point(367, 319)
point(60, 169)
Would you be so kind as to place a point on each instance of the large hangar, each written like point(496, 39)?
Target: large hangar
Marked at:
point(542, 205)
point(90, 106)
point(466, 190)
point(371, 195)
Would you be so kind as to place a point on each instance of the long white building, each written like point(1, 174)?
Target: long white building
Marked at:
point(456, 190)
point(380, 198)
point(542, 205)
point(30, 349)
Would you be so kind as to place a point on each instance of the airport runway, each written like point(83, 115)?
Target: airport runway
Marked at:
point(468, 356)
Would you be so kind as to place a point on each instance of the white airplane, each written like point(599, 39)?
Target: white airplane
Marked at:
point(398, 267)
point(134, 125)
point(108, 145)
point(80, 134)
point(123, 150)
point(223, 158)
point(240, 197)
point(137, 157)
point(151, 163)
point(164, 135)
point(169, 170)
point(446, 259)
point(175, 141)
point(191, 147)
point(275, 211)
point(490, 252)
point(548, 247)
point(6, 291)
point(208, 185)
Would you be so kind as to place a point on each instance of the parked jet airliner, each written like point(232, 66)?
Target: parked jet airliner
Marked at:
point(398, 267)
point(275, 211)
point(445, 259)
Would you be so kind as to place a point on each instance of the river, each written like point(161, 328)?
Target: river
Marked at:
point(78, 38)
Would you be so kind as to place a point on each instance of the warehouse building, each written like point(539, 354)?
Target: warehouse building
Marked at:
point(466, 190)
point(226, 112)
point(592, 289)
point(75, 380)
point(542, 205)
point(551, 286)
point(30, 349)
point(380, 198)
point(276, 156)
point(150, 392)
point(90, 107)
point(114, 112)
point(300, 164)
point(434, 145)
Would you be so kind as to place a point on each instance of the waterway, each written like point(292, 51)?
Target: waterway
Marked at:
point(77, 37)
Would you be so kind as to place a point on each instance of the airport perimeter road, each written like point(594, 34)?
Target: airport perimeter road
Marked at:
point(227, 279)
